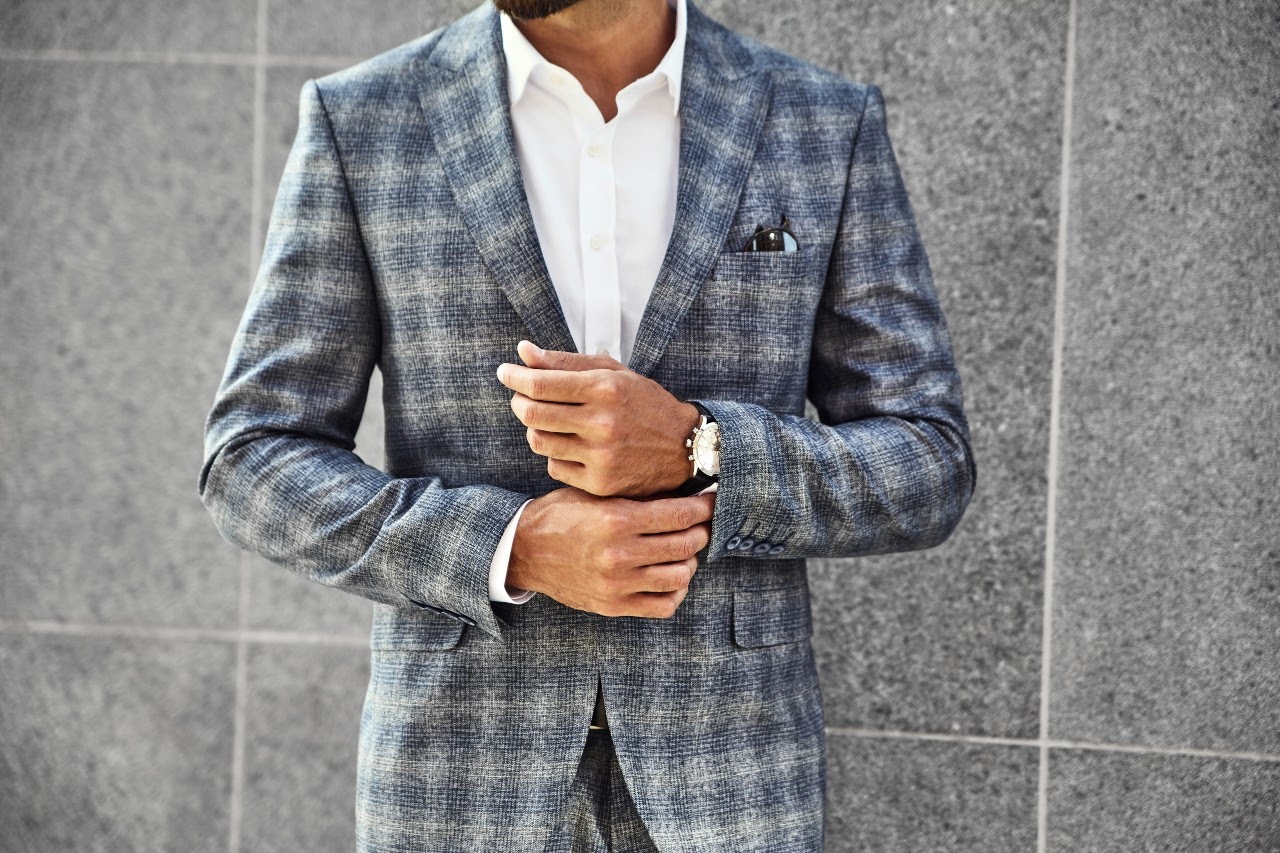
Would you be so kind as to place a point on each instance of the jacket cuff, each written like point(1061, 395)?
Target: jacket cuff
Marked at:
point(749, 519)
point(452, 576)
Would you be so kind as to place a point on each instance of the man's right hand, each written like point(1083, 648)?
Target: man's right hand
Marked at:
point(609, 555)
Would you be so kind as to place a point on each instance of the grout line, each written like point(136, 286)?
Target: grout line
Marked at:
point(258, 151)
point(1055, 431)
point(1043, 745)
point(149, 56)
point(256, 154)
point(890, 734)
point(168, 633)
point(243, 60)
point(236, 811)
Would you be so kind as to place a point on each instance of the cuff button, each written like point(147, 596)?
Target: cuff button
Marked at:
point(762, 548)
point(746, 544)
point(732, 544)
point(775, 550)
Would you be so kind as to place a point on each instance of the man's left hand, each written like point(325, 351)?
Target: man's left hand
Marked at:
point(604, 428)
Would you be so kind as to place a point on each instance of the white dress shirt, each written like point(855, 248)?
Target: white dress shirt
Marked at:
point(603, 198)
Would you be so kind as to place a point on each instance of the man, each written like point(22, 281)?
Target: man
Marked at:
point(593, 622)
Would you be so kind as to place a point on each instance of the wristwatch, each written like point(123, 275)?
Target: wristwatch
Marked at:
point(704, 453)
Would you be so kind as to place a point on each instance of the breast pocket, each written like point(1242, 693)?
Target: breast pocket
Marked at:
point(754, 318)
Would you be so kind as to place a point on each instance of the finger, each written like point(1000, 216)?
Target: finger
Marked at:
point(652, 548)
point(667, 514)
point(568, 472)
point(556, 445)
point(561, 360)
point(557, 386)
point(552, 417)
point(655, 605)
point(665, 577)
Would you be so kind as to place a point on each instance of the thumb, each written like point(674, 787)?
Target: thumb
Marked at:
point(561, 360)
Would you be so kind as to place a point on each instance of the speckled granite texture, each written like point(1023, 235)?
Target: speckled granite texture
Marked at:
point(161, 691)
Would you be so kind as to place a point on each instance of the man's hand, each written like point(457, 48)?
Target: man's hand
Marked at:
point(604, 429)
point(612, 556)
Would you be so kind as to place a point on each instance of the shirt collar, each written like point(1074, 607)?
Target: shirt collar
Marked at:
point(522, 58)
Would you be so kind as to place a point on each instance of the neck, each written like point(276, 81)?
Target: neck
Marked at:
point(606, 44)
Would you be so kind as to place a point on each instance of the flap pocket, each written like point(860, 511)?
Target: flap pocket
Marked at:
point(400, 628)
point(770, 617)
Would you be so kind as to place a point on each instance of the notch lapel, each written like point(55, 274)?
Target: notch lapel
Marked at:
point(722, 109)
point(463, 92)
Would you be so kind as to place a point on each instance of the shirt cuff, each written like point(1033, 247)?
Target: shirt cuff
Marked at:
point(501, 559)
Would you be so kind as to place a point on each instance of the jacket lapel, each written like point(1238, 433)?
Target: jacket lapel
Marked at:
point(463, 90)
point(722, 109)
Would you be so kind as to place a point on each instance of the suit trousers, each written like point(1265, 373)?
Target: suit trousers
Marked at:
point(600, 815)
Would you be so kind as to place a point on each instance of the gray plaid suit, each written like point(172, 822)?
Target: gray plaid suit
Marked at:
point(401, 238)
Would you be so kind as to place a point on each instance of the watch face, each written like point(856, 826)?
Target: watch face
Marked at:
point(706, 449)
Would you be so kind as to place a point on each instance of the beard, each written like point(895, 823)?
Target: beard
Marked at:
point(530, 10)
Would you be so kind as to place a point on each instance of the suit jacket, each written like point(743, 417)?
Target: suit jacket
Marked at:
point(401, 238)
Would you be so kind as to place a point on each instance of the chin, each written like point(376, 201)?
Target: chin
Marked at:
point(532, 10)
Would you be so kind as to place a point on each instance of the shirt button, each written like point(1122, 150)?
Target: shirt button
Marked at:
point(595, 149)
point(597, 242)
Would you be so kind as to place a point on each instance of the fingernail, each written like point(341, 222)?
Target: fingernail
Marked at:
point(500, 369)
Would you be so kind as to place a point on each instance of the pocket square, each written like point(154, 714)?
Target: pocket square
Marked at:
point(773, 238)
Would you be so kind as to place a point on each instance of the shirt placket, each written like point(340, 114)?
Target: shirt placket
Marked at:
point(597, 212)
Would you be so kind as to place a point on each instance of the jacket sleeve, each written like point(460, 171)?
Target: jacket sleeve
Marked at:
point(889, 467)
point(279, 475)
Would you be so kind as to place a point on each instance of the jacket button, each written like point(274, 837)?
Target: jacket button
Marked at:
point(732, 544)
point(746, 543)
point(775, 550)
point(762, 548)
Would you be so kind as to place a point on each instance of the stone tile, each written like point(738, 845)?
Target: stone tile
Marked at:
point(336, 28)
point(949, 640)
point(187, 25)
point(1166, 596)
point(1122, 802)
point(927, 795)
point(301, 737)
point(115, 744)
point(124, 205)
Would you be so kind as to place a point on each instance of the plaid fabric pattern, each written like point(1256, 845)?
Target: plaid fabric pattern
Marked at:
point(401, 237)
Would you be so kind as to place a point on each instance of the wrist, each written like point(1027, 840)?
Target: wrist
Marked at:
point(681, 468)
point(520, 571)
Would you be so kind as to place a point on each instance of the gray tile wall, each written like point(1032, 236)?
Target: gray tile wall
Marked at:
point(1088, 664)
